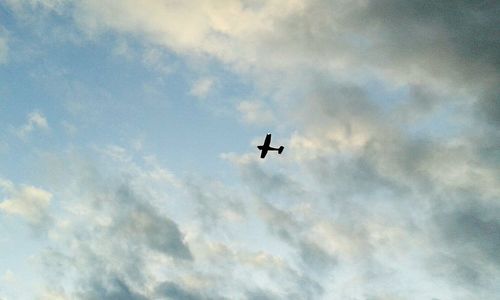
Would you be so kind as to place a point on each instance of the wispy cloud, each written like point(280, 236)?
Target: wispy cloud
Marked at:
point(35, 120)
point(255, 112)
point(202, 87)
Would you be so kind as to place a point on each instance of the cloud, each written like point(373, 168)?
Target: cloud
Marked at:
point(114, 238)
point(35, 120)
point(363, 193)
point(52, 295)
point(391, 173)
point(114, 289)
point(472, 233)
point(255, 112)
point(141, 221)
point(202, 87)
point(9, 277)
point(4, 47)
point(283, 44)
point(29, 202)
point(216, 204)
point(154, 58)
point(260, 294)
point(110, 235)
point(170, 290)
point(281, 33)
point(410, 43)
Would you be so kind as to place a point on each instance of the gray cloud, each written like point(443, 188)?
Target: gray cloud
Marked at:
point(316, 257)
point(478, 228)
point(471, 234)
point(113, 242)
point(490, 107)
point(4, 46)
point(260, 295)
point(114, 290)
point(386, 189)
point(171, 290)
point(110, 235)
point(139, 221)
point(216, 204)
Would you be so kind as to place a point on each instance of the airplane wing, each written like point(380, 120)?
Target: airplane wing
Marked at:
point(263, 152)
point(267, 141)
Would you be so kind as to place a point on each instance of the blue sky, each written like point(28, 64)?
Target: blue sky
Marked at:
point(128, 167)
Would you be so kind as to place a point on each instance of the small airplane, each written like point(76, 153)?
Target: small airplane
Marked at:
point(266, 147)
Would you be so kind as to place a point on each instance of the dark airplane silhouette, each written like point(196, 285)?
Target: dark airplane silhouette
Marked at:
point(266, 147)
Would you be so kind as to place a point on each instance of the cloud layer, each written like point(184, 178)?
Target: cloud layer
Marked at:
point(388, 187)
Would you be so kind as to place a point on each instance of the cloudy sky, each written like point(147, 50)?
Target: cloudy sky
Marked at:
point(128, 167)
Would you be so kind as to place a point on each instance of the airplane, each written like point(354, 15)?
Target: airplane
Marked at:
point(266, 147)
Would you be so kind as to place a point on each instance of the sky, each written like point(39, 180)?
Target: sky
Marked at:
point(129, 168)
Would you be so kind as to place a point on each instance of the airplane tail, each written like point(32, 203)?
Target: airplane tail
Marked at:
point(280, 149)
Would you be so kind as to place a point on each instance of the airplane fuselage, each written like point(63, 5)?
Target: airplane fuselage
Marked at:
point(268, 148)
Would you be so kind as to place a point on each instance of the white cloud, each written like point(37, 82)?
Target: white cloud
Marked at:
point(35, 120)
point(255, 112)
point(53, 295)
point(202, 87)
point(9, 277)
point(28, 202)
point(156, 59)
